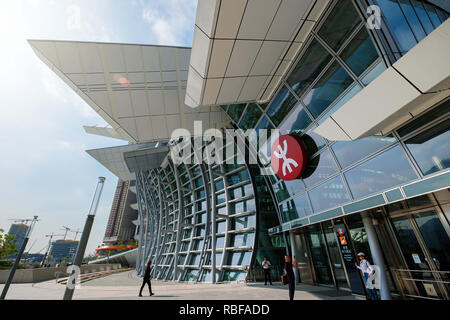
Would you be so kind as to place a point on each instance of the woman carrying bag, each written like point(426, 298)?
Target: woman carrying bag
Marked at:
point(289, 277)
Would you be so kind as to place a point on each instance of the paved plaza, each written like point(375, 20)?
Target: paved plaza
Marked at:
point(125, 286)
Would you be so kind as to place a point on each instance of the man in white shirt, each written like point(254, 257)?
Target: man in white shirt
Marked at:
point(367, 271)
point(266, 267)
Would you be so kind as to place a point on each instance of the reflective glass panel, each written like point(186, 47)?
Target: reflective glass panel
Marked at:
point(328, 195)
point(239, 258)
point(340, 24)
point(330, 86)
point(360, 53)
point(413, 20)
point(302, 206)
point(424, 119)
point(432, 14)
point(319, 255)
point(312, 62)
point(220, 242)
point(397, 24)
point(242, 240)
point(243, 206)
point(319, 168)
point(221, 226)
point(243, 222)
point(191, 275)
point(238, 177)
point(423, 16)
point(220, 198)
point(297, 122)
point(235, 111)
point(294, 186)
point(219, 184)
point(431, 148)
point(242, 191)
point(436, 238)
point(234, 275)
point(281, 191)
point(374, 73)
point(283, 102)
point(288, 211)
point(386, 170)
point(250, 117)
point(265, 124)
point(348, 152)
point(350, 94)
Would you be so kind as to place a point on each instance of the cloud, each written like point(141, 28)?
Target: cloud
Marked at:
point(171, 21)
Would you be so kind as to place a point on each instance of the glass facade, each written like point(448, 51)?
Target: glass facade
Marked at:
point(200, 215)
point(408, 22)
point(176, 205)
point(339, 59)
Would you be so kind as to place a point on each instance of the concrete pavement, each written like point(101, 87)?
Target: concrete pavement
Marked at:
point(125, 286)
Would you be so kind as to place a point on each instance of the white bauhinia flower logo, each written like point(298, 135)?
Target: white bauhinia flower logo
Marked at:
point(287, 162)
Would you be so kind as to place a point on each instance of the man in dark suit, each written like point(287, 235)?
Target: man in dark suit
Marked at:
point(147, 279)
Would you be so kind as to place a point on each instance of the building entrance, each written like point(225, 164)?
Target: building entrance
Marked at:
point(414, 235)
point(423, 239)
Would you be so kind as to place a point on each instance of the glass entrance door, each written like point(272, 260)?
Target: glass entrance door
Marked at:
point(425, 246)
point(303, 260)
point(319, 256)
point(335, 255)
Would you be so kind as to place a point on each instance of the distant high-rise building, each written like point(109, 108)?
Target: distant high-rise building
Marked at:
point(19, 230)
point(120, 227)
point(62, 249)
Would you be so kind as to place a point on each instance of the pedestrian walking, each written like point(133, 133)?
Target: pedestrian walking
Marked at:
point(147, 279)
point(267, 267)
point(288, 266)
point(368, 272)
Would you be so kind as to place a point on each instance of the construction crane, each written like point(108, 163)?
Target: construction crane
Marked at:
point(24, 221)
point(49, 246)
point(76, 233)
point(67, 230)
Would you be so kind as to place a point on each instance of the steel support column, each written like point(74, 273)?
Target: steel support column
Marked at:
point(377, 255)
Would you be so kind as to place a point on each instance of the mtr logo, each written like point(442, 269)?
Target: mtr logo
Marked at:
point(288, 157)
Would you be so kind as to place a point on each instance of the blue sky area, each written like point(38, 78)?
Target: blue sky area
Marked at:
point(44, 168)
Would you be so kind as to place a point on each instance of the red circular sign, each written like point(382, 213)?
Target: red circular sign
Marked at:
point(288, 157)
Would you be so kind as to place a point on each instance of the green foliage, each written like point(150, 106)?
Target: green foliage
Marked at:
point(4, 265)
point(8, 246)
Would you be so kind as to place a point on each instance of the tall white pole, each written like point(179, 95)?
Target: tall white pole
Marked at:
point(377, 255)
point(70, 288)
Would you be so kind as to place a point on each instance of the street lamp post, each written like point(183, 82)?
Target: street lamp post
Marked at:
point(70, 288)
point(18, 257)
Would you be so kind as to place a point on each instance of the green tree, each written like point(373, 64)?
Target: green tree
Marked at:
point(8, 246)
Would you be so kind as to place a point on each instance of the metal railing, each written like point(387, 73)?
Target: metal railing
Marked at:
point(436, 286)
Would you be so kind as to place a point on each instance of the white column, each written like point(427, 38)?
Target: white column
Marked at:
point(377, 255)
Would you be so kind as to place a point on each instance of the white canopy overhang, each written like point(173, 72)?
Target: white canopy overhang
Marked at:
point(137, 89)
point(124, 161)
point(242, 48)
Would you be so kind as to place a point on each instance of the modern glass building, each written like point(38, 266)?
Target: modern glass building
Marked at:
point(63, 250)
point(19, 231)
point(364, 85)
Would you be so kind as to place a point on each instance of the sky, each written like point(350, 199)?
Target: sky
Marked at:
point(44, 168)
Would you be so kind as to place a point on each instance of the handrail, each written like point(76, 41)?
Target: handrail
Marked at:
point(410, 270)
